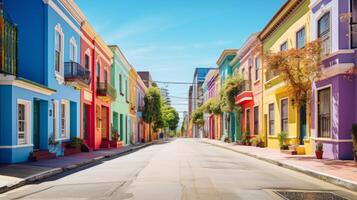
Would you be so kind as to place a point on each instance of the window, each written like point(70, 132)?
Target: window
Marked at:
point(256, 120)
point(247, 122)
point(23, 122)
point(324, 112)
point(300, 38)
point(86, 61)
point(98, 72)
point(353, 30)
point(126, 90)
point(73, 50)
point(271, 119)
point(284, 115)
point(257, 66)
point(98, 117)
point(55, 117)
point(120, 84)
point(64, 119)
point(58, 49)
point(324, 33)
point(284, 46)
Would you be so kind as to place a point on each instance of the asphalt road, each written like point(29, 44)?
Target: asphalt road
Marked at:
point(180, 169)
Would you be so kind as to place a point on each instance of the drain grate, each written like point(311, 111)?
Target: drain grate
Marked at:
point(308, 195)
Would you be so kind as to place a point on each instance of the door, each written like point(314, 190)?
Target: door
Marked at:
point(302, 123)
point(239, 126)
point(36, 125)
point(85, 122)
point(104, 123)
point(121, 127)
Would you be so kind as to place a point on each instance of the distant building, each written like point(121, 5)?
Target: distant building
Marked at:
point(165, 95)
point(146, 77)
point(197, 92)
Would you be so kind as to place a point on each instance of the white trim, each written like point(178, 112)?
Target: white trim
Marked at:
point(281, 110)
point(109, 62)
point(27, 86)
point(305, 38)
point(318, 17)
point(28, 122)
point(330, 140)
point(55, 121)
point(16, 146)
point(90, 44)
point(59, 75)
point(72, 42)
point(62, 15)
point(316, 109)
point(67, 120)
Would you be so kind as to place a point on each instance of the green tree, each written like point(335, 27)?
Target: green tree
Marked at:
point(197, 117)
point(152, 109)
point(231, 88)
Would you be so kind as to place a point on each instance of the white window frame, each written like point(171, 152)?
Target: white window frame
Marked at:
point(256, 106)
point(256, 70)
point(55, 119)
point(87, 53)
point(296, 36)
point(73, 43)
point(59, 75)
point(269, 129)
point(28, 128)
point(316, 110)
point(280, 114)
point(330, 33)
point(65, 132)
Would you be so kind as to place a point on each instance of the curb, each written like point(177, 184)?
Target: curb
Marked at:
point(57, 171)
point(325, 177)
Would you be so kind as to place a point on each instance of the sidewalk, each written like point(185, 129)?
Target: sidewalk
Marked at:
point(16, 175)
point(342, 173)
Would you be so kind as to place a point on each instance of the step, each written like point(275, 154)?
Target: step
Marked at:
point(300, 150)
point(41, 155)
point(289, 152)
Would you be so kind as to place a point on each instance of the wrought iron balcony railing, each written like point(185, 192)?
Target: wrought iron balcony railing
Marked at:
point(105, 89)
point(75, 72)
point(8, 46)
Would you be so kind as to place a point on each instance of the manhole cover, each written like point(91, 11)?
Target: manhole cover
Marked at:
point(308, 195)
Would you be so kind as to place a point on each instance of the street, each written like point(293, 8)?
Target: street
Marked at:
point(178, 169)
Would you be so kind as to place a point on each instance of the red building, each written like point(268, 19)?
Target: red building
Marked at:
point(96, 100)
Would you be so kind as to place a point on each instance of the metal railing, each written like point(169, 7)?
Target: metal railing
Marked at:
point(105, 89)
point(324, 124)
point(76, 72)
point(245, 86)
point(8, 46)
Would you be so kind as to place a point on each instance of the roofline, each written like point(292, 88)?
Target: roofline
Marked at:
point(224, 54)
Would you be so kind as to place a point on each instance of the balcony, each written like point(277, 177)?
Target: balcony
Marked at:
point(8, 47)
point(106, 91)
point(245, 94)
point(76, 75)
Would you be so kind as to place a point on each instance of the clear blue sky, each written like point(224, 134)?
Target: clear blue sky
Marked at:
point(172, 37)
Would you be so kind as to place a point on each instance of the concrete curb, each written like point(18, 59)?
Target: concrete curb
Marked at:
point(325, 177)
point(57, 171)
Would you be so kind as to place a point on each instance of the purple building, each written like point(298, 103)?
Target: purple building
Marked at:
point(334, 102)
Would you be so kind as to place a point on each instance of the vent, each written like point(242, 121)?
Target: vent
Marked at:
point(307, 195)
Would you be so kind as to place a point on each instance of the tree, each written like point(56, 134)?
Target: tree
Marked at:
point(197, 117)
point(152, 109)
point(170, 116)
point(298, 68)
point(212, 106)
point(231, 88)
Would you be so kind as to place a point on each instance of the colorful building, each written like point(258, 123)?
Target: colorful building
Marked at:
point(44, 120)
point(211, 92)
point(132, 105)
point(120, 107)
point(142, 128)
point(97, 100)
point(250, 98)
point(334, 105)
point(225, 71)
point(286, 30)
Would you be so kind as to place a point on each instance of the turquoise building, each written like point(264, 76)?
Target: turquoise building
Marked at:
point(225, 71)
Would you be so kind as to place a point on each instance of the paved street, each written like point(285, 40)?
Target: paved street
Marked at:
point(180, 169)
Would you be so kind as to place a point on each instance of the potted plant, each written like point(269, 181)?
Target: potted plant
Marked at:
point(254, 141)
point(282, 141)
point(319, 150)
point(115, 138)
point(354, 141)
point(74, 146)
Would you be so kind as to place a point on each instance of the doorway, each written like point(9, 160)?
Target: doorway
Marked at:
point(36, 124)
point(302, 123)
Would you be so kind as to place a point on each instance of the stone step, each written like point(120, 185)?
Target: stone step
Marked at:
point(41, 155)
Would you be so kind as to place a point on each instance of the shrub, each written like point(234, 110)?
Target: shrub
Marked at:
point(282, 139)
point(319, 146)
point(75, 142)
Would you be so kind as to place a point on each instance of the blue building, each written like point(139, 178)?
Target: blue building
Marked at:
point(41, 100)
point(226, 71)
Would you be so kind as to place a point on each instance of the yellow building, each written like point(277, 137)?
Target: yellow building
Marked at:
point(288, 29)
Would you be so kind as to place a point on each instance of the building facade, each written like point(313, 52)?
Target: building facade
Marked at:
point(132, 122)
point(333, 105)
point(250, 97)
point(287, 29)
point(226, 71)
point(142, 128)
